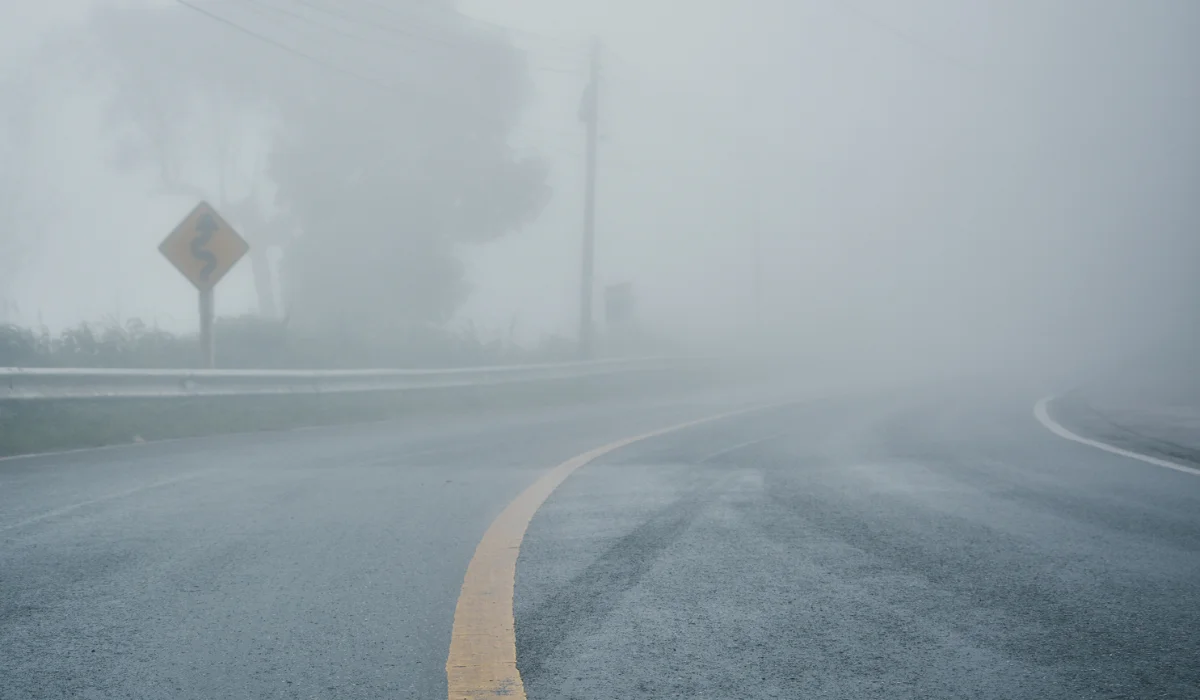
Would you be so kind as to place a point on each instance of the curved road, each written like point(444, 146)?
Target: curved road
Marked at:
point(927, 545)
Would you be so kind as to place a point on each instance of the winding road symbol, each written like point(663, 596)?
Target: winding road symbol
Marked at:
point(204, 247)
point(206, 226)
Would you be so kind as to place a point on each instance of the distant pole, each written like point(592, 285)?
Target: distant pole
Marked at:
point(757, 271)
point(208, 344)
point(590, 114)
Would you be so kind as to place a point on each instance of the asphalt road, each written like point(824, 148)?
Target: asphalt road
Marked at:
point(937, 546)
point(924, 545)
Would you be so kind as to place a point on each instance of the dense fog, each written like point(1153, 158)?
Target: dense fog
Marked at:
point(916, 184)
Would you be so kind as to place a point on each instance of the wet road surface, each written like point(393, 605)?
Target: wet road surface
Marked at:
point(934, 544)
point(941, 548)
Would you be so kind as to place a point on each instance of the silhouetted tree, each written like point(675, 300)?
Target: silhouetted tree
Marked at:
point(383, 160)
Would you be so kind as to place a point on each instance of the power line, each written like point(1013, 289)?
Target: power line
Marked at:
point(381, 85)
point(309, 20)
point(554, 49)
point(574, 48)
point(655, 87)
point(922, 45)
point(388, 28)
point(284, 47)
point(358, 37)
point(572, 52)
point(383, 27)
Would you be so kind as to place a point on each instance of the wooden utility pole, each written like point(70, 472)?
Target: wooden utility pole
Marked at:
point(589, 113)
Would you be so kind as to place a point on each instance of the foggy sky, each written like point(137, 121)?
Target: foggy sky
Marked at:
point(993, 174)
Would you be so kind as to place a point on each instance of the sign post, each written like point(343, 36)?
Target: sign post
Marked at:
point(208, 340)
point(204, 247)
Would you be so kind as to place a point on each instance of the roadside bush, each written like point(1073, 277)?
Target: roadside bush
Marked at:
point(249, 342)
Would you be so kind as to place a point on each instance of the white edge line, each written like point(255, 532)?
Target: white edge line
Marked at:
point(1043, 415)
point(77, 450)
point(183, 438)
point(64, 510)
point(742, 445)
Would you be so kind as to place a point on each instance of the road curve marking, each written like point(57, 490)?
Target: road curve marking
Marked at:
point(483, 650)
point(1043, 415)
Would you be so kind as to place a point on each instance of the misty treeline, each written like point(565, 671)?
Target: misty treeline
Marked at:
point(357, 190)
point(254, 342)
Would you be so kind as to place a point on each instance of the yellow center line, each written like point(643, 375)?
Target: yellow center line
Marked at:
point(483, 648)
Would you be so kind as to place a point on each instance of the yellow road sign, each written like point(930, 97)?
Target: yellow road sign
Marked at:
point(204, 247)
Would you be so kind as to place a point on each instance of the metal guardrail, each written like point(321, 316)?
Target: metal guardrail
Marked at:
point(33, 384)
